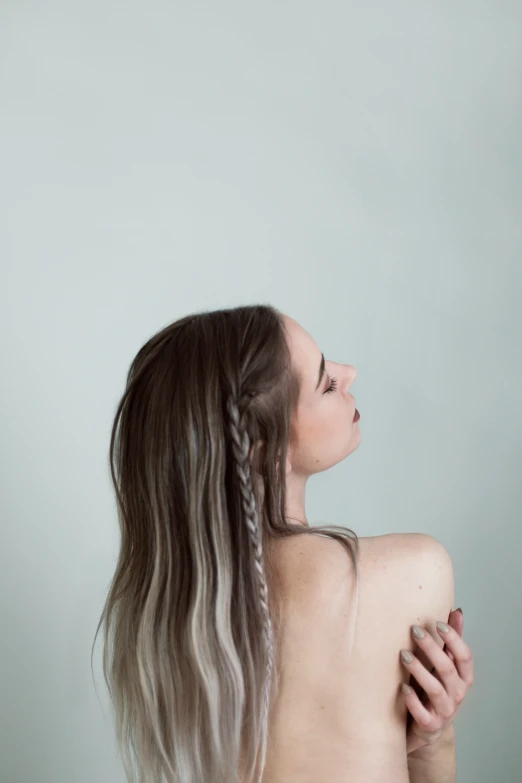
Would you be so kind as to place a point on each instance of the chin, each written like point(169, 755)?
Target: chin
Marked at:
point(356, 437)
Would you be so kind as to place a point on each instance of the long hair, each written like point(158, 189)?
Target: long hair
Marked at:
point(192, 617)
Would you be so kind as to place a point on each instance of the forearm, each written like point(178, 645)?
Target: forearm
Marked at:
point(434, 763)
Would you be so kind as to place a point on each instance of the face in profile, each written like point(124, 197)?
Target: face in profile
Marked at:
point(324, 431)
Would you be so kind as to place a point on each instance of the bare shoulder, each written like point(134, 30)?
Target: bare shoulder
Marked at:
point(310, 566)
point(412, 555)
point(409, 572)
point(404, 579)
point(420, 571)
point(400, 575)
point(324, 559)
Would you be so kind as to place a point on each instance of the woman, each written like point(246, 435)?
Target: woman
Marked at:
point(241, 644)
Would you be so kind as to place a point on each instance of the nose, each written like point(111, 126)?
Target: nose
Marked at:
point(348, 375)
point(351, 375)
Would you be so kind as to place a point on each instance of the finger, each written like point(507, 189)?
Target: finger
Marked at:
point(456, 620)
point(422, 716)
point(462, 655)
point(448, 653)
point(442, 700)
point(446, 671)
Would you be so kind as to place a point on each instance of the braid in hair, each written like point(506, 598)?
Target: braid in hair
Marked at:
point(241, 451)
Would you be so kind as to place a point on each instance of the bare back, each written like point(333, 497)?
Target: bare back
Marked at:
point(340, 718)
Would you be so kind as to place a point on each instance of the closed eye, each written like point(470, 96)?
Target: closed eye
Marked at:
point(332, 387)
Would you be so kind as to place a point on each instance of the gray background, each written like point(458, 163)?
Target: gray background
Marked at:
point(359, 166)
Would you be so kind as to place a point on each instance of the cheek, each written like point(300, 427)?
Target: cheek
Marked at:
point(331, 425)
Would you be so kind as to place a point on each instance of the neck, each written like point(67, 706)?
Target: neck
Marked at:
point(295, 499)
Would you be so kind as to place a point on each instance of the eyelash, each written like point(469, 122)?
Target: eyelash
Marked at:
point(333, 386)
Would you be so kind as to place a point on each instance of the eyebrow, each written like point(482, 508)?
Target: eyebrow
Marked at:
point(321, 371)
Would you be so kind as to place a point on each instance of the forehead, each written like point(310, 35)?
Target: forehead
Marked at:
point(303, 348)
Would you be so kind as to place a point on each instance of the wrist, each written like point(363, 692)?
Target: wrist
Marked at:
point(435, 763)
point(414, 743)
point(419, 749)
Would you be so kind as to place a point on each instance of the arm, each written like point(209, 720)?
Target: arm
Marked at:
point(434, 763)
point(435, 760)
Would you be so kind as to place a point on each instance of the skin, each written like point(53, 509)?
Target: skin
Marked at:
point(324, 432)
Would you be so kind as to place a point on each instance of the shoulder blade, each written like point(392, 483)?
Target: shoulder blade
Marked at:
point(423, 582)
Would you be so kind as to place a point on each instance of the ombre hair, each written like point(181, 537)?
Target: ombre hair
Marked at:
point(191, 655)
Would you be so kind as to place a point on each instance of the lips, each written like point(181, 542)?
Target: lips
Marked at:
point(357, 415)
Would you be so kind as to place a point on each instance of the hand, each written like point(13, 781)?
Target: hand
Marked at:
point(456, 620)
point(443, 689)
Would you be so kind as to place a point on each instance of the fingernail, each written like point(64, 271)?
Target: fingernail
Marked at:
point(443, 627)
point(406, 688)
point(418, 632)
point(406, 656)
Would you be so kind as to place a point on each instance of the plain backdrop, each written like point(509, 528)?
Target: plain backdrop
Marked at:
point(357, 165)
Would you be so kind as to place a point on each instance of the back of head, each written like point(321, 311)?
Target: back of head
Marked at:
point(197, 457)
